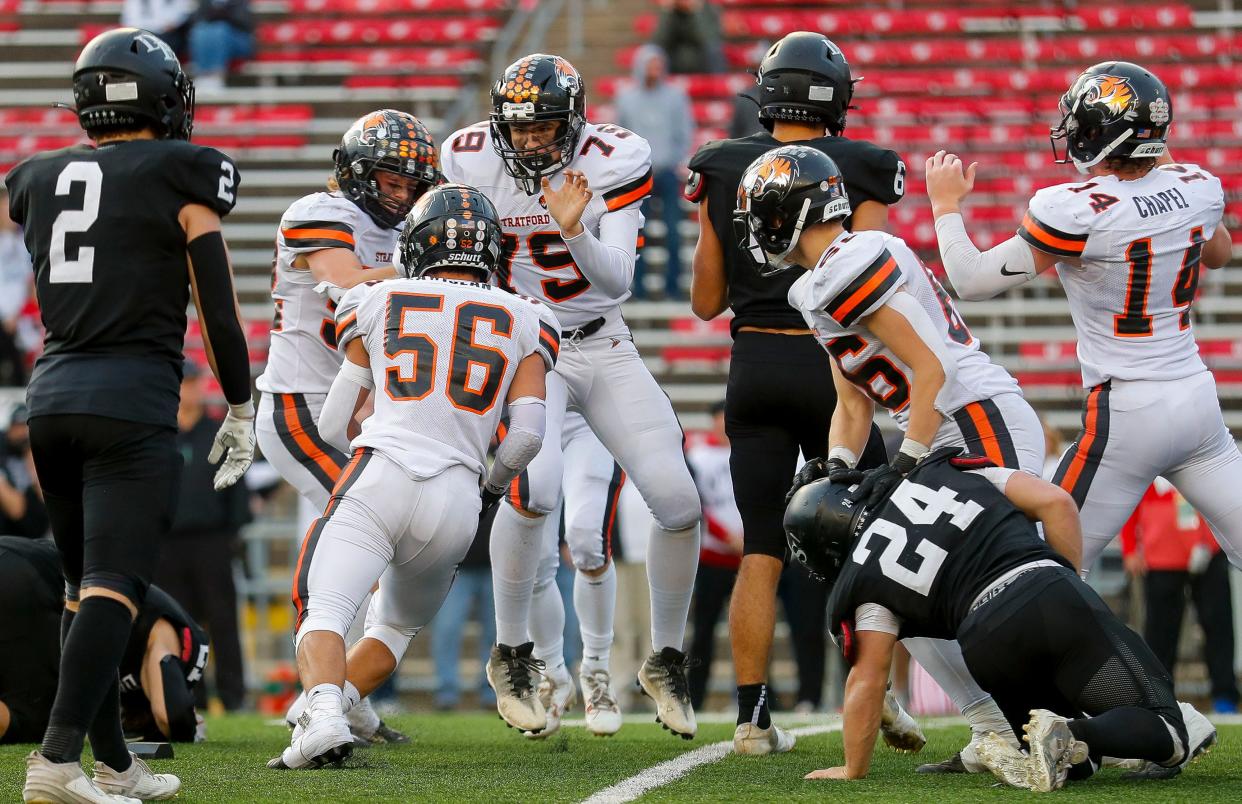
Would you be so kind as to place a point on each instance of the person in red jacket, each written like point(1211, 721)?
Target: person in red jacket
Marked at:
point(1169, 543)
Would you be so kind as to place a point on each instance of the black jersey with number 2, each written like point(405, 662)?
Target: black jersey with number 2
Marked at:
point(932, 548)
point(871, 173)
point(101, 225)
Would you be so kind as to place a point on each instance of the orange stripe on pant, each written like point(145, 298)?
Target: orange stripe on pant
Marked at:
point(991, 446)
point(312, 450)
point(1084, 444)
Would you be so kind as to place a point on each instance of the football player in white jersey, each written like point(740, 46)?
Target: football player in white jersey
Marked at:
point(568, 193)
point(1127, 243)
point(897, 342)
point(442, 353)
point(344, 236)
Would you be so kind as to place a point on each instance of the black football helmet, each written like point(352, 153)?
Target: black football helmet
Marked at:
point(451, 226)
point(1114, 108)
point(781, 193)
point(128, 78)
point(804, 78)
point(385, 140)
point(821, 522)
point(535, 88)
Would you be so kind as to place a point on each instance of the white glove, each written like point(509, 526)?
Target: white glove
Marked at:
point(236, 435)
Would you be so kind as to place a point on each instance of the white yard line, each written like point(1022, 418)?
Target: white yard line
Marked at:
point(666, 772)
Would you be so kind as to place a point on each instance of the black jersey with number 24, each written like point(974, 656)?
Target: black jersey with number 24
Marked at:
point(101, 224)
point(932, 547)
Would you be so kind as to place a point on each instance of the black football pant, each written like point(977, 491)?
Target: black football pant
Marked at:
point(712, 587)
point(29, 648)
point(779, 400)
point(1049, 642)
point(1166, 602)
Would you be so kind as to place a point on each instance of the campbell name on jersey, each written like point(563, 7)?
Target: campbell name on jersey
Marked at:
point(617, 164)
point(1138, 243)
point(443, 354)
point(933, 546)
point(303, 358)
point(856, 276)
point(102, 227)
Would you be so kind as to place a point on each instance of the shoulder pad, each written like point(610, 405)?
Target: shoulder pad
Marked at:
point(704, 155)
point(548, 344)
point(855, 277)
point(319, 221)
point(1058, 220)
point(617, 163)
point(347, 312)
point(461, 144)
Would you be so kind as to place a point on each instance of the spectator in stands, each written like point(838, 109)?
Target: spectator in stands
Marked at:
point(22, 512)
point(720, 548)
point(689, 32)
point(196, 567)
point(222, 33)
point(659, 110)
point(1168, 544)
point(168, 19)
point(1053, 447)
point(471, 590)
point(15, 278)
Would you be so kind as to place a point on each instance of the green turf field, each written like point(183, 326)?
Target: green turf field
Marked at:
point(474, 758)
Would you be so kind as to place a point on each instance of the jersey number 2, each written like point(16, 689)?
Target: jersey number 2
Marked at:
point(80, 269)
point(466, 390)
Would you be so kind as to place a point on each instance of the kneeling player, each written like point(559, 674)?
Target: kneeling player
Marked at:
point(950, 553)
point(445, 353)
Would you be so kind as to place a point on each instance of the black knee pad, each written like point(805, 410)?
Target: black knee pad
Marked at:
point(178, 701)
point(131, 586)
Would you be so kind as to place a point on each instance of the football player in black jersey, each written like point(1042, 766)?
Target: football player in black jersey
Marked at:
point(164, 657)
point(952, 552)
point(780, 394)
point(123, 233)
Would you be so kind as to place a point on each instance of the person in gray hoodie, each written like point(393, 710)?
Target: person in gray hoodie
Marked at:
point(659, 110)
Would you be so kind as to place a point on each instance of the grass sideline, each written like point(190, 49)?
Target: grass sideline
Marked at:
point(469, 757)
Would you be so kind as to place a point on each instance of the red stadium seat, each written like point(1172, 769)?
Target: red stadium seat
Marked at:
point(394, 59)
point(378, 7)
point(371, 31)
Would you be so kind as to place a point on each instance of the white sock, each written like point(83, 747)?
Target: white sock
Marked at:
point(362, 718)
point(325, 697)
point(985, 716)
point(672, 561)
point(943, 661)
point(515, 560)
point(352, 696)
point(595, 601)
point(296, 709)
point(547, 622)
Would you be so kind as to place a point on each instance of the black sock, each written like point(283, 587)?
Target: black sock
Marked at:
point(66, 622)
point(752, 705)
point(1127, 732)
point(106, 734)
point(88, 666)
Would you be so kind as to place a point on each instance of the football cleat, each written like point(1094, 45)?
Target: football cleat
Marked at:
point(557, 693)
point(1053, 750)
point(324, 739)
point(1005, 762)
point(899, 730)
point(387, 734)
point(603, 714)
point(953, 764)
point(50, 782)
point(509, 672)
point(663, 679)
point(137, 781)
point(750, 739)
point(1201, 736)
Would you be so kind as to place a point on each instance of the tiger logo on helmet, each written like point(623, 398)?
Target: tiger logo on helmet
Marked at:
point(1112, 96)
point(775, 173)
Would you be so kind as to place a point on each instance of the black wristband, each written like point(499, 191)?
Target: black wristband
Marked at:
point(223, 334)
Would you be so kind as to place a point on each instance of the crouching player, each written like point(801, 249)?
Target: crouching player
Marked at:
point(443, 354)
point(951, 552)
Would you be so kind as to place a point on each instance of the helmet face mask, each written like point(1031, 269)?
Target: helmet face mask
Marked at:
point(129, 79)
point(1113, 109)
point(451, 227)
point(386, 142)
point(535, 89)
point(782, 193)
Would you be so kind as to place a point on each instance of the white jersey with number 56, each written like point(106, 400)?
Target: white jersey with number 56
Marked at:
point(443, 353)
point(536, 261)
point(1139, 244)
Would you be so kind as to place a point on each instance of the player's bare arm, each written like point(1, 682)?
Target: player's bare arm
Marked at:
point(892, 324)
point(851, 419)
point(1218, 251)
point(976, 275)
point(1053, 506)
point(340, 267)
point(864, 701)
point(709, 287)
point(869, 215)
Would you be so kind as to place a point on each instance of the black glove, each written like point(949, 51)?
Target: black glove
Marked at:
point(490, 500)
point(811, 471)
point(878, 483)
point(841, 472)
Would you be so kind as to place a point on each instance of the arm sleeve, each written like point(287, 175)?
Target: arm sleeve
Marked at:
point(527, 422)
point(607, 261)
point(981, 275)
point(874, 617)
point(219, 315)
point(338, 407)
